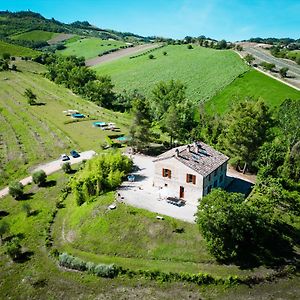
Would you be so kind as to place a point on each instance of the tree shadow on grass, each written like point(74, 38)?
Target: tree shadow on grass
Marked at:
point(34, 213)
point(49, 183)
point(3, 213)
point(19, 235)
point(26, 196)
point(24, 256)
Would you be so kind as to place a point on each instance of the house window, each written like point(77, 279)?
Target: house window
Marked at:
point(166, 173)
point(191, 178)
point(216, 183)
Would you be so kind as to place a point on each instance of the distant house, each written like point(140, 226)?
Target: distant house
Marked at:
point(190, 172)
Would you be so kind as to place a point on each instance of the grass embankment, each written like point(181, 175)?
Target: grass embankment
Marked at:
point(36, 134)
point(89, 47)
point(16, 50)
point(39, 277)
point(133, 238)
point(35, 35)
point(293, 54)
point(204, 71)
point(252, 84)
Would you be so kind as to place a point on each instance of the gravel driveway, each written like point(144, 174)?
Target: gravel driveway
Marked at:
point(52, 167)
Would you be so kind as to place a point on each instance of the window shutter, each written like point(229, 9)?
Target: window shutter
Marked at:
point(169, 173)
point(194, 179)
point(163, 172)
point(187, 178)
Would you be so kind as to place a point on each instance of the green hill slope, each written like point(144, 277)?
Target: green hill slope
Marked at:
point(90, 47)
point(33, 134)
point(35, 35)
point(16, 50)
point(252, 84)
point(204, 71)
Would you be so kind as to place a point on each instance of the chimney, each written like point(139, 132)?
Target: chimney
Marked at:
point(176, 152)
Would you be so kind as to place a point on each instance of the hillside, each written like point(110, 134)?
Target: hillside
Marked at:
point(35, 35)
point(24, 22)
point(90, 47)
point(35, 134)
point(16, 50)
point(252, 84)
point(204, 71)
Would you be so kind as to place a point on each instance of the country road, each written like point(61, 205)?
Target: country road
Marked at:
point(52, 167)
point(263, 55)
point(118, 54)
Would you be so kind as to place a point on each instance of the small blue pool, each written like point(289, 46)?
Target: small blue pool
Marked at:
point(78, 116)
point(122, 138)
point(99, 124)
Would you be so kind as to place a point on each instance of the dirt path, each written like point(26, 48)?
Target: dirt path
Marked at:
point(118, 54)
point(52, 167)
point(60, 38)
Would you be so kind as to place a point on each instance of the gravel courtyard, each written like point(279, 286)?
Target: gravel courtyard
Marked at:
point(142, 194)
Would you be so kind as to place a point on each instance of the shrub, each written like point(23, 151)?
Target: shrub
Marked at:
point(27, 209)
point(189, 46)
point(13, 249)
point(16, 189)
point(151, 56)
point(66, 167)
point(165, 53)
point(39, 177)
point(14, 68)
point(6, 56)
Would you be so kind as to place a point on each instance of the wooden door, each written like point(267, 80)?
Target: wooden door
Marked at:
point(181, 192)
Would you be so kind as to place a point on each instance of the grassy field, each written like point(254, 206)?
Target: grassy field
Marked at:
point(252, 84)
point(134, 238)
point(293, 54)
point(39, 277)
point(35, 35)
point(34, 134)
point(204, 71)
point(89, 47)
point(16, 50)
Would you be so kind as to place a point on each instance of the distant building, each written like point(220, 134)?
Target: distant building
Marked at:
point(190, 172)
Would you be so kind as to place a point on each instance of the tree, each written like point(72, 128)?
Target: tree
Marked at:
point(13, 248)
point(283, 72)
point(31, 97)
point(39, 177)
point(239, 48)
point(246, 127)
point(249, 58)
point(140, 128)
point(165, 53)
point(267, 66)
point(237, 231)
point(4, 228)
point(6, 56)
point(151, 56)
point(27, 209)
point(189, 46)
point(16, 189)
point(14, 67)
point(66, 167)
point(221, 45)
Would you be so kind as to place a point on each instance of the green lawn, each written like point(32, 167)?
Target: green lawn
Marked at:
point(16, 50)
point(204, 71)
point(134, 238)
point(252, 84)
point(293, 54)
point(35, 134)
point(89, 47)
point(35, 35)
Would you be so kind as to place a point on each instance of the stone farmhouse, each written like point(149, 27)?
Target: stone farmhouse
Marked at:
point(190, 172)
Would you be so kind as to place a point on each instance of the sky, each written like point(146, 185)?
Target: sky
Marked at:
point(232, 20)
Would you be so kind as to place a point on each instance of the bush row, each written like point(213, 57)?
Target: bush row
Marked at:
point(147, 52)
point(114, 50)
point(112, 270)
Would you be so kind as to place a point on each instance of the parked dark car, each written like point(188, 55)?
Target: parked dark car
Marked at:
point(175, 201)
point(74, 153)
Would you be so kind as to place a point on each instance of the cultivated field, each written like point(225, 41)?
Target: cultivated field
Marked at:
point(90, 47)
point(35, 134)
point(252, 84)
point(16, 50)
point(35, 35)
point(204, 71)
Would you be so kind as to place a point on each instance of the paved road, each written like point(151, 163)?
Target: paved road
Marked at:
point(52, 167)
point(264, 55)
point(118, 54)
